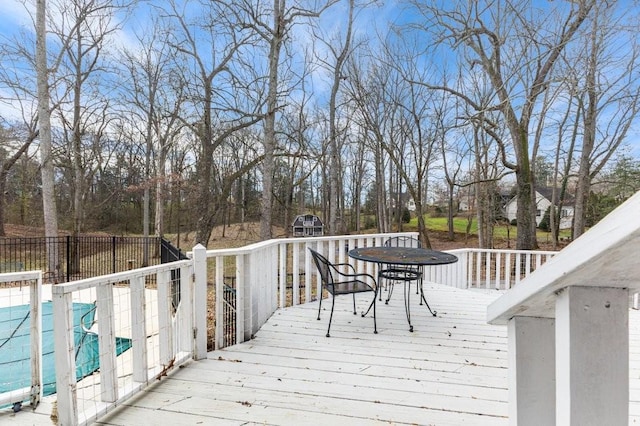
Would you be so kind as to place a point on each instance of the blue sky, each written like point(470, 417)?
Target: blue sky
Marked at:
point(14, 17)
point(17, 16)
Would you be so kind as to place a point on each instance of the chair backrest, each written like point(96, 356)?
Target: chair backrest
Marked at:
point(323, 266)
point(403, 242)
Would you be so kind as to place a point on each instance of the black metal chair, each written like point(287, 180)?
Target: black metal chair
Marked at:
point(405, 274)
point(394, 273)
point(337, 282)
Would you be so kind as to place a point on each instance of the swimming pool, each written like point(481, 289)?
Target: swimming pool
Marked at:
point(15, 365)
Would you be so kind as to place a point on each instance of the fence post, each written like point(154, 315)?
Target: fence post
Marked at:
point(113, 253)
point(200, 301)
point(68, 258)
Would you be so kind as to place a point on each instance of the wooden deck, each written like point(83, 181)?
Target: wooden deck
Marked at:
point(452, 370)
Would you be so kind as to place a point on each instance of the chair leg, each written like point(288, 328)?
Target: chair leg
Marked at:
point(377, 291)
point(375, 325)
point(319, 305)
point(354, 304)
point(333, 303)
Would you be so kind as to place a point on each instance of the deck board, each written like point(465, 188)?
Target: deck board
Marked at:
point(452, 370)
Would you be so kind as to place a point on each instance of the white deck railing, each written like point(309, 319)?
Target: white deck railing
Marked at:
point(162, 336)
point(258, 279)
point(262, 277)
point(250, 283)
point(568, 328)
point(494, 268)
point(33, 298)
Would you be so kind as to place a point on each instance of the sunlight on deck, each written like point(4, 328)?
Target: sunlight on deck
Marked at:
point(450, 370)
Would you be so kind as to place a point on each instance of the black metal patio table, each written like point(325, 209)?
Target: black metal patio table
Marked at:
point(403, 257)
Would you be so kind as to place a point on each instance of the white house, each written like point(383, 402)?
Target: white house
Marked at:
point(543, 202)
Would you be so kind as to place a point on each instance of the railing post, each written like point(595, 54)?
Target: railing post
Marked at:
point(592, 356)
point(295, 274)
point(165, 323)
point(242, 299)
point(185, 311)
point(308, 270)
point(65, 360)
point(282, 275)
point(138, 330)
point(532, 383)
point(107, 344)
point(36, 340)
point(200, 301)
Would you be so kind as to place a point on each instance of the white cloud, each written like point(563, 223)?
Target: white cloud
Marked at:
point(16, 13)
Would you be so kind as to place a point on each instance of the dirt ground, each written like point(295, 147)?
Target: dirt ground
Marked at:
point(238, 235)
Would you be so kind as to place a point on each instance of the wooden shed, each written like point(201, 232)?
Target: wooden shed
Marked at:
point(308, 225)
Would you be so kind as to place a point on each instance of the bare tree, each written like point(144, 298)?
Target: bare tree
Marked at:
point(46, 159)
point(274, 33)
point(487, 156)
point(82, 41)
point(371, 110)
point(417, 122)
point(340, 46)
point(453, 151)
point(19, 141)
point(608, 99)
point(154, 96)
point(486, 33)
point(17, 135)
point(222, 96)
point(297, 129)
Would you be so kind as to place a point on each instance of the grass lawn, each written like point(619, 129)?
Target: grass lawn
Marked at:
point(460, 227)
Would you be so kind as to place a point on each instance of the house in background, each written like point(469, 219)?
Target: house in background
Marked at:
point(307, 225)
point(406, 201)
point(467, 201)
point(543, 202)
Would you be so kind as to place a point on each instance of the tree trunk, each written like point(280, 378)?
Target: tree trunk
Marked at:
point(422, 226)
point(160, 194)
point(590, 118)
point(44, 119)
point(76, 150)
point(205, 219)
point(3, 185)
point(268, 165)
point(450, 229)
point(334, 148)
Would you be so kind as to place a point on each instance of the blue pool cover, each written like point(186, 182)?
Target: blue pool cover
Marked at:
point(15, 365)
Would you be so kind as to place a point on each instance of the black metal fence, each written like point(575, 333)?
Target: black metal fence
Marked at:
point(229, 305)
point(80, 257)
point(229, 314)
point(90, 256)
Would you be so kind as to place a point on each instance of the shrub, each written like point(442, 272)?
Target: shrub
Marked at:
point(406, 215)
point(545, 223)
